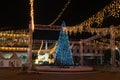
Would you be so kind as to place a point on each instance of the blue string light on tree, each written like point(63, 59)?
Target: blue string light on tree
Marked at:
point(63, 56)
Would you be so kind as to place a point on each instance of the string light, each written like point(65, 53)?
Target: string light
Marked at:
point(37, 60)
point(113, 9)
point(54, 48)
point(40, 47)
point(13, 35)
point(51, 51)
point(65, 7)
point(32, 14)
point(102, 44)
point(13, 49)
point(17, 33)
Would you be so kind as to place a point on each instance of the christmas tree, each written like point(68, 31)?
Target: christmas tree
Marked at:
point(63, 52)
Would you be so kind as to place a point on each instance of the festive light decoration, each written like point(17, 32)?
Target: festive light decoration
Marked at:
point(102, 45)
point(16, 38)
point(51, 54)
point(13, 35)
point(63, 54)
point(13, 49)
point(65, 7)
point(51, 51)
point(54, 48)
point(40, 47)
point(12, 43)
point(32, 14)
point(21, 31)
point(39, 56)
point(113, 9)
point(104, 31)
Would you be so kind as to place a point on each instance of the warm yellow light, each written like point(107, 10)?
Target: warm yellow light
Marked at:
point(32, 13)
point(66, 5)
point(111, 9)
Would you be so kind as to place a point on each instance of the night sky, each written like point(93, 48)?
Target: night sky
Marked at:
point(15, 13)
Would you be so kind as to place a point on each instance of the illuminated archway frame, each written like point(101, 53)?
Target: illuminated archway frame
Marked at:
point(110, 9)
point(112, 30)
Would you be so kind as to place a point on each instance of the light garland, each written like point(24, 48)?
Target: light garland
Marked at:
point(37, 60)
point(113, 9)
point(54, 48)
point(15, 31)
point(32, 14)
point(51, 50)
point(65, 7)
point(13, 35)
point(40, 47)
point(102, 44)
point(13, 49)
